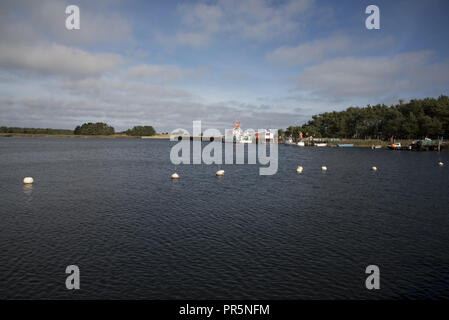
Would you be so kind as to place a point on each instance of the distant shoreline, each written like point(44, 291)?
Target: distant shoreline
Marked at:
point(368, 143)
point(112, 136)
point(357, 143)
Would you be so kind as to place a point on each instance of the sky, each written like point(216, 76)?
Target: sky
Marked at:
point(268, 64)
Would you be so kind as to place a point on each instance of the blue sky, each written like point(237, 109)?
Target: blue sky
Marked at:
point(269, 64)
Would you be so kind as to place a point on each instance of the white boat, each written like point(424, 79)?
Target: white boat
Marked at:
point(241, 136)
point(320, 144)
point(394, 146)
point(289, 141)
point(301, 144)
point(245, 139)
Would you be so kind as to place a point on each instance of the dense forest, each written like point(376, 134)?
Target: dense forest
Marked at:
point(98, 128)
point(34, 130)
point(141, 131)
point(418, 118)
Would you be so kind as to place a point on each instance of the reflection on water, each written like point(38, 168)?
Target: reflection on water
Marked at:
point(28, 189)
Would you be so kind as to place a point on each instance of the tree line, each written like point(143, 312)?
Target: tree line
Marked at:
point(416, 119)
point(98, 128)
point(34, 130)
point(141, 131)
point(101, 128)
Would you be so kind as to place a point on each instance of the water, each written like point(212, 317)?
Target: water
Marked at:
point(110, 207)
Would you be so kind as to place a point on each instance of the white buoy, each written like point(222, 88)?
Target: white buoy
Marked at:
point(220, 173)
point(440, 164)
point(324, 168)
point(299, 169)
point(374, 168)
point(28, 180)
point(175, 176)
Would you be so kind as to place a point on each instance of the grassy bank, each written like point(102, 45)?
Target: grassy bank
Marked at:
point(157, 136)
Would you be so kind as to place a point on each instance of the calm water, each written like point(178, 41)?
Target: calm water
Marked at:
point(110, 207)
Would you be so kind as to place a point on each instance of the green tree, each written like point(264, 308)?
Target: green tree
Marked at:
point(281, 133)
point(98, 128)
point(410, 127)
point(416, 119)
point(141, 131)
point(35, 130)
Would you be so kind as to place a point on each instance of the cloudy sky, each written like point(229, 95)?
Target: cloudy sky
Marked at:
point(267, 63)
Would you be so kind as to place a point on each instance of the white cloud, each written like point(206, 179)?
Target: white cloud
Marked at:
point(163, 74)
point(121, 92)
point(125, 104)
point(350, 77)
point(34, 21)
point(34, 39)
point(337, 45)
point(253, 19)
point(309, 52)
point(55, 59)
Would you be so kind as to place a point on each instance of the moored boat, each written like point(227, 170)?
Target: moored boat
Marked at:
point(394, 146)
point(245, 139)
point(301, 144)
point(289, 141)
point(320, 144)
point(345, 145)
point(425, 145)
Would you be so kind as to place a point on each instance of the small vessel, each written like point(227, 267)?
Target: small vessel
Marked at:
point(425, 145)
point(394, 146)
point(378, 146)
point(320, 144)
point(301, 144)
point(244, 139)
point(289, 141)
point(345, 145)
